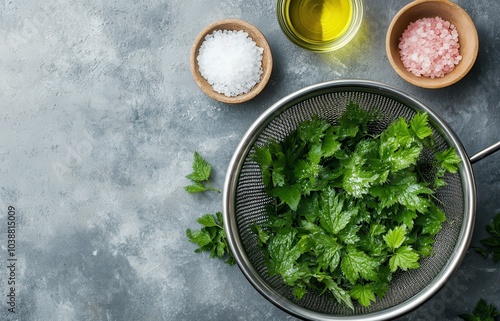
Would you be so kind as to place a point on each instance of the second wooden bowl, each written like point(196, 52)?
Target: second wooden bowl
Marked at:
point(447, 10)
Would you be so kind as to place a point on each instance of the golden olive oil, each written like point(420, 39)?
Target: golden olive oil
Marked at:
point(318, 21)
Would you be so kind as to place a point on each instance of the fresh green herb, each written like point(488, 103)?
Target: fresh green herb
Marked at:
point(351, 207)
point(200, 176)
point(492, 243)
point(482, 312)
point(211, 237)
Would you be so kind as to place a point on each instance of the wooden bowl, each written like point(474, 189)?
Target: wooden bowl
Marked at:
point(447, 10)
point(260, 40)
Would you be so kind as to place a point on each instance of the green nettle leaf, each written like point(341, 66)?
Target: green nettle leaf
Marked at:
point(211, 237)
point(332, 216)
point(376, 229)
point(278, 178)
point(482, 312)
point(366, 151)
point(449, 159)
point(299, 290)
point(201, 169)
point(201, 238)
point(363, 293)
point(312, 130)
point(439, 182)
point(406, 217)
point(398, 147)
point(492, 243)
point(395, 237)
point(309, 208)
point(200, 176)
point(404, 158)
point(494, 227)
point(283, 255)
point(394, 137)
point(432, 220)
point(325, 246)
point(356, 117)
point(290, 195)
point(357, 263)
point(423, 245)
point(420, 125)
point(349, 235)
point(401, 133)
point(404, 258)
point(341, 295)
point(315, 153)
point(262, 155)
point(330, 143)
point(357, 182)
point(329, 259)
point(306, 170)
point(413, 199)
point(277, 169)
point(195, 188)
point(406, 192)
point(207, 220)
point(263, 236)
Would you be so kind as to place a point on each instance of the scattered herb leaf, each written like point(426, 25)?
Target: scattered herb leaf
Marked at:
point(492, 243)
point(200, 176)
point(482, 312)
point(211, 237)
point(351, 207)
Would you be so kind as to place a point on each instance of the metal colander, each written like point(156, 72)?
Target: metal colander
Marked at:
point(245, 201)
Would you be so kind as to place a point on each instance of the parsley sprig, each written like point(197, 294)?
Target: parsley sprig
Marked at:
point(211, 237)
point(351, 207)
point(482, 312)
point(492, 243)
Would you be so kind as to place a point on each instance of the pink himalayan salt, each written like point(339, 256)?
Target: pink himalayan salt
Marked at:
point(429, 47)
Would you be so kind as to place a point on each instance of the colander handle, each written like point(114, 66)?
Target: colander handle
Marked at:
point(485, 152)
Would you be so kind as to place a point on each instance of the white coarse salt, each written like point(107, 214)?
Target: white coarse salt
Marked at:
point(429, 47)
point(230, 61)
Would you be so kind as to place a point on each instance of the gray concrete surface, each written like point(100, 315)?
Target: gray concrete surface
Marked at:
point(99, 118)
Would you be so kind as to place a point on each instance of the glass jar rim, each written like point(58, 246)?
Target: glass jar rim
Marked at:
point(322, 46)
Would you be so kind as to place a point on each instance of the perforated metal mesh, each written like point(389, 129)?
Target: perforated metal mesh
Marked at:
point(245, 201)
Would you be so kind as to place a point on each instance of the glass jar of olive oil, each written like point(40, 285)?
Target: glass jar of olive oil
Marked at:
point(320, 25)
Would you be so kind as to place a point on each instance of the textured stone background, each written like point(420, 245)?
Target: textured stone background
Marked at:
point(99, 118)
